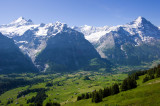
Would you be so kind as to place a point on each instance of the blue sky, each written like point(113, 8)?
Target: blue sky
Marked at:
point(80, 12)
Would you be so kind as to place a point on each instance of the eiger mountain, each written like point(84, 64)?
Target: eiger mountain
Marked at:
point(12, 60)
point(57, 47)
point(130, 44)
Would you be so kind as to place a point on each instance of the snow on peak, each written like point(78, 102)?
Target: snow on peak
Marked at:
point(59, 24)
point(139, 19)
point(86, 27)
point(140, 26)
point(139, 22)
point(17, 27)
point(50, 29)
point(21, 21)
point(93, 34)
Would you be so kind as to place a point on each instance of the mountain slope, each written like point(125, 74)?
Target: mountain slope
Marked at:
point(130, 44)
point(92, 33)
point(66, 51)
point(30, 38)
point(74, 52)
point(146, 94)
point(12, 60)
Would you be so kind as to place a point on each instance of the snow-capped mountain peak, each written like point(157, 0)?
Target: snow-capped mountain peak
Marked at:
point(21, 21)
point(142, 27)
point(59, 24)
point(140, 21)
point(17, 27)
point(58, 27)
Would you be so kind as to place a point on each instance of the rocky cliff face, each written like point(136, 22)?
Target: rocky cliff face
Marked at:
point(67, 51)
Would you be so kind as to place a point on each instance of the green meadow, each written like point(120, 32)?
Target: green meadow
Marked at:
point(146, 94)
point(65, 88)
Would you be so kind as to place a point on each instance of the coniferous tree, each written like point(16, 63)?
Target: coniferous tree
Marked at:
point(39, 104)
point(134, 76)
point(101, 93)
point(151, 76)
point(158, 72)
point(129, 83)
point(83, 96)
point(56, 104)
point(87, 96)
point(115, 89)
point(124, 85)
point(145, 79)
point(106, 92)
point(96, 97)
point(79, 98)
point(90, 95)
point(49, 104)
point(31, 104)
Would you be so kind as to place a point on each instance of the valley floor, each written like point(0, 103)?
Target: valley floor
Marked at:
point(65, 88)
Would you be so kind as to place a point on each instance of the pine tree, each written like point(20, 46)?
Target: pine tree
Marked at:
point(56, 104)
point(90, 95)
point(131, 83)
point(145, 79)
point(101, 93)
point(96, 97)
point(158, 72)
point(83, 96)
point(49, 104)
point(106, 92)
point(151, 76)
point(87, 96)
point(79, 98)
point(115, 89)
point(124, 85)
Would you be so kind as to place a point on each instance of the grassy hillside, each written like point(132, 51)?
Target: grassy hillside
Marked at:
point(64, 88)
point(146, 94)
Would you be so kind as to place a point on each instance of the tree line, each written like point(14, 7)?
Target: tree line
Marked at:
point(127, 84)
point(152, 73)
point(25, 92)
point(39, 98)
point(10, 83)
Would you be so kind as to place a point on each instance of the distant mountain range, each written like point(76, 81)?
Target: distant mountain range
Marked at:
point(58, 47)
point(131, 44)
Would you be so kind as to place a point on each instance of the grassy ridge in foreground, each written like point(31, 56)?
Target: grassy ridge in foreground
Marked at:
point(146, 94)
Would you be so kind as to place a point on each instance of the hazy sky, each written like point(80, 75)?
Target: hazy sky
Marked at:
point(80, 12)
